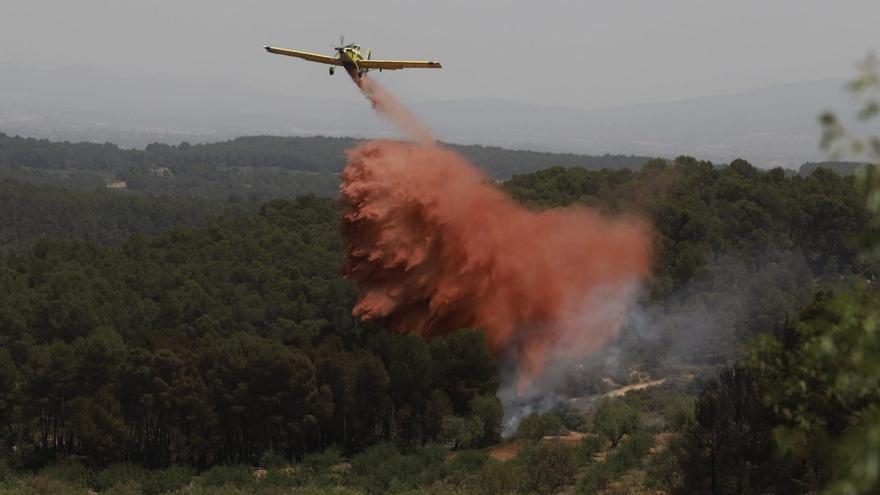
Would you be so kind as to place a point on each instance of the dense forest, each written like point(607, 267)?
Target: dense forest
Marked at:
point(738, 249)
point(229, 343)
point(145, 191)
point(216, 345)
point(32, 212)
point(702, 212)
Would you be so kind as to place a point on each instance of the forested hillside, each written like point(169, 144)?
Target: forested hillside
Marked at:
point(312, 154)
point(129, 191)
point(737, 248)
point(702, 212)
point(215, 345)
point(32, 212)
point(233, 342)
point(317, 155)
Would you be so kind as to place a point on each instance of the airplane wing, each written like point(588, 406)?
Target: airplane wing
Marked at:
point(312, 57)
point(397, 64)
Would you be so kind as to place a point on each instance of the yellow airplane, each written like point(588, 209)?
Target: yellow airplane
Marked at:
point(350, 57)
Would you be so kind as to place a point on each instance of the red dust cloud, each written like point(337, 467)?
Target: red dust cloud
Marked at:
point(435, 246)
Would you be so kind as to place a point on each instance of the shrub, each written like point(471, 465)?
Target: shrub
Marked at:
point(383, 469)
point(375, 469)
point(631, 452)
point(118, 474)
point(487, 409)
point(272, 459)
point(166, 480)
point(319, 463)
point(131, 487)
point(595, 479)
point(7, 475)
point(664, 472)
point(469, 460)
point(615, 418)
point(547, 466)
point(626, 456)
point(588, 448)
point(236, 475)
point(223, 490)
point(536, 426)
point(463, 432)
point(429, 463)
point(574, 420)
point(678, 413)
point(284, 478)
point(69, 471)
point(44, 485)
point(336, 490)
point(499, 478)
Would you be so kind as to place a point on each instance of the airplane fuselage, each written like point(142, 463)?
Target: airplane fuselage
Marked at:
point(350, 56)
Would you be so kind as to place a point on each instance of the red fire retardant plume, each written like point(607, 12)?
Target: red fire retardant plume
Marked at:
point(434, 246)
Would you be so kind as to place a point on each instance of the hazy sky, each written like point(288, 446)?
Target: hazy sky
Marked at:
point(583, 53)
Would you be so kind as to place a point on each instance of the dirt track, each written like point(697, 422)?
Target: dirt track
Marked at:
point(619, 392)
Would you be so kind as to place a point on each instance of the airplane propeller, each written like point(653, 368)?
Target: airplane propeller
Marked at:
point(341, 44)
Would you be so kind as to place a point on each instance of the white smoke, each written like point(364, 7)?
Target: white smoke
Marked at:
point(701, 324)
point(603, 308)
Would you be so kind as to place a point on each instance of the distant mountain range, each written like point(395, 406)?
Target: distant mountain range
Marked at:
point(774, 126)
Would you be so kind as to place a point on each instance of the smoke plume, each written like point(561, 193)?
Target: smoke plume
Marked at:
point(435, 246)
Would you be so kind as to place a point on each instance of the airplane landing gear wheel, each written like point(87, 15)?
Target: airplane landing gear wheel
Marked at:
point(332, 70)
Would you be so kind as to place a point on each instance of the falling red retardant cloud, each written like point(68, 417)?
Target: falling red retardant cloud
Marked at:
point(434, 246)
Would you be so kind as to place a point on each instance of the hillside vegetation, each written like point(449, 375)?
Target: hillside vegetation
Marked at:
point(269, 166)
point(32, 212)
point(188, 359)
